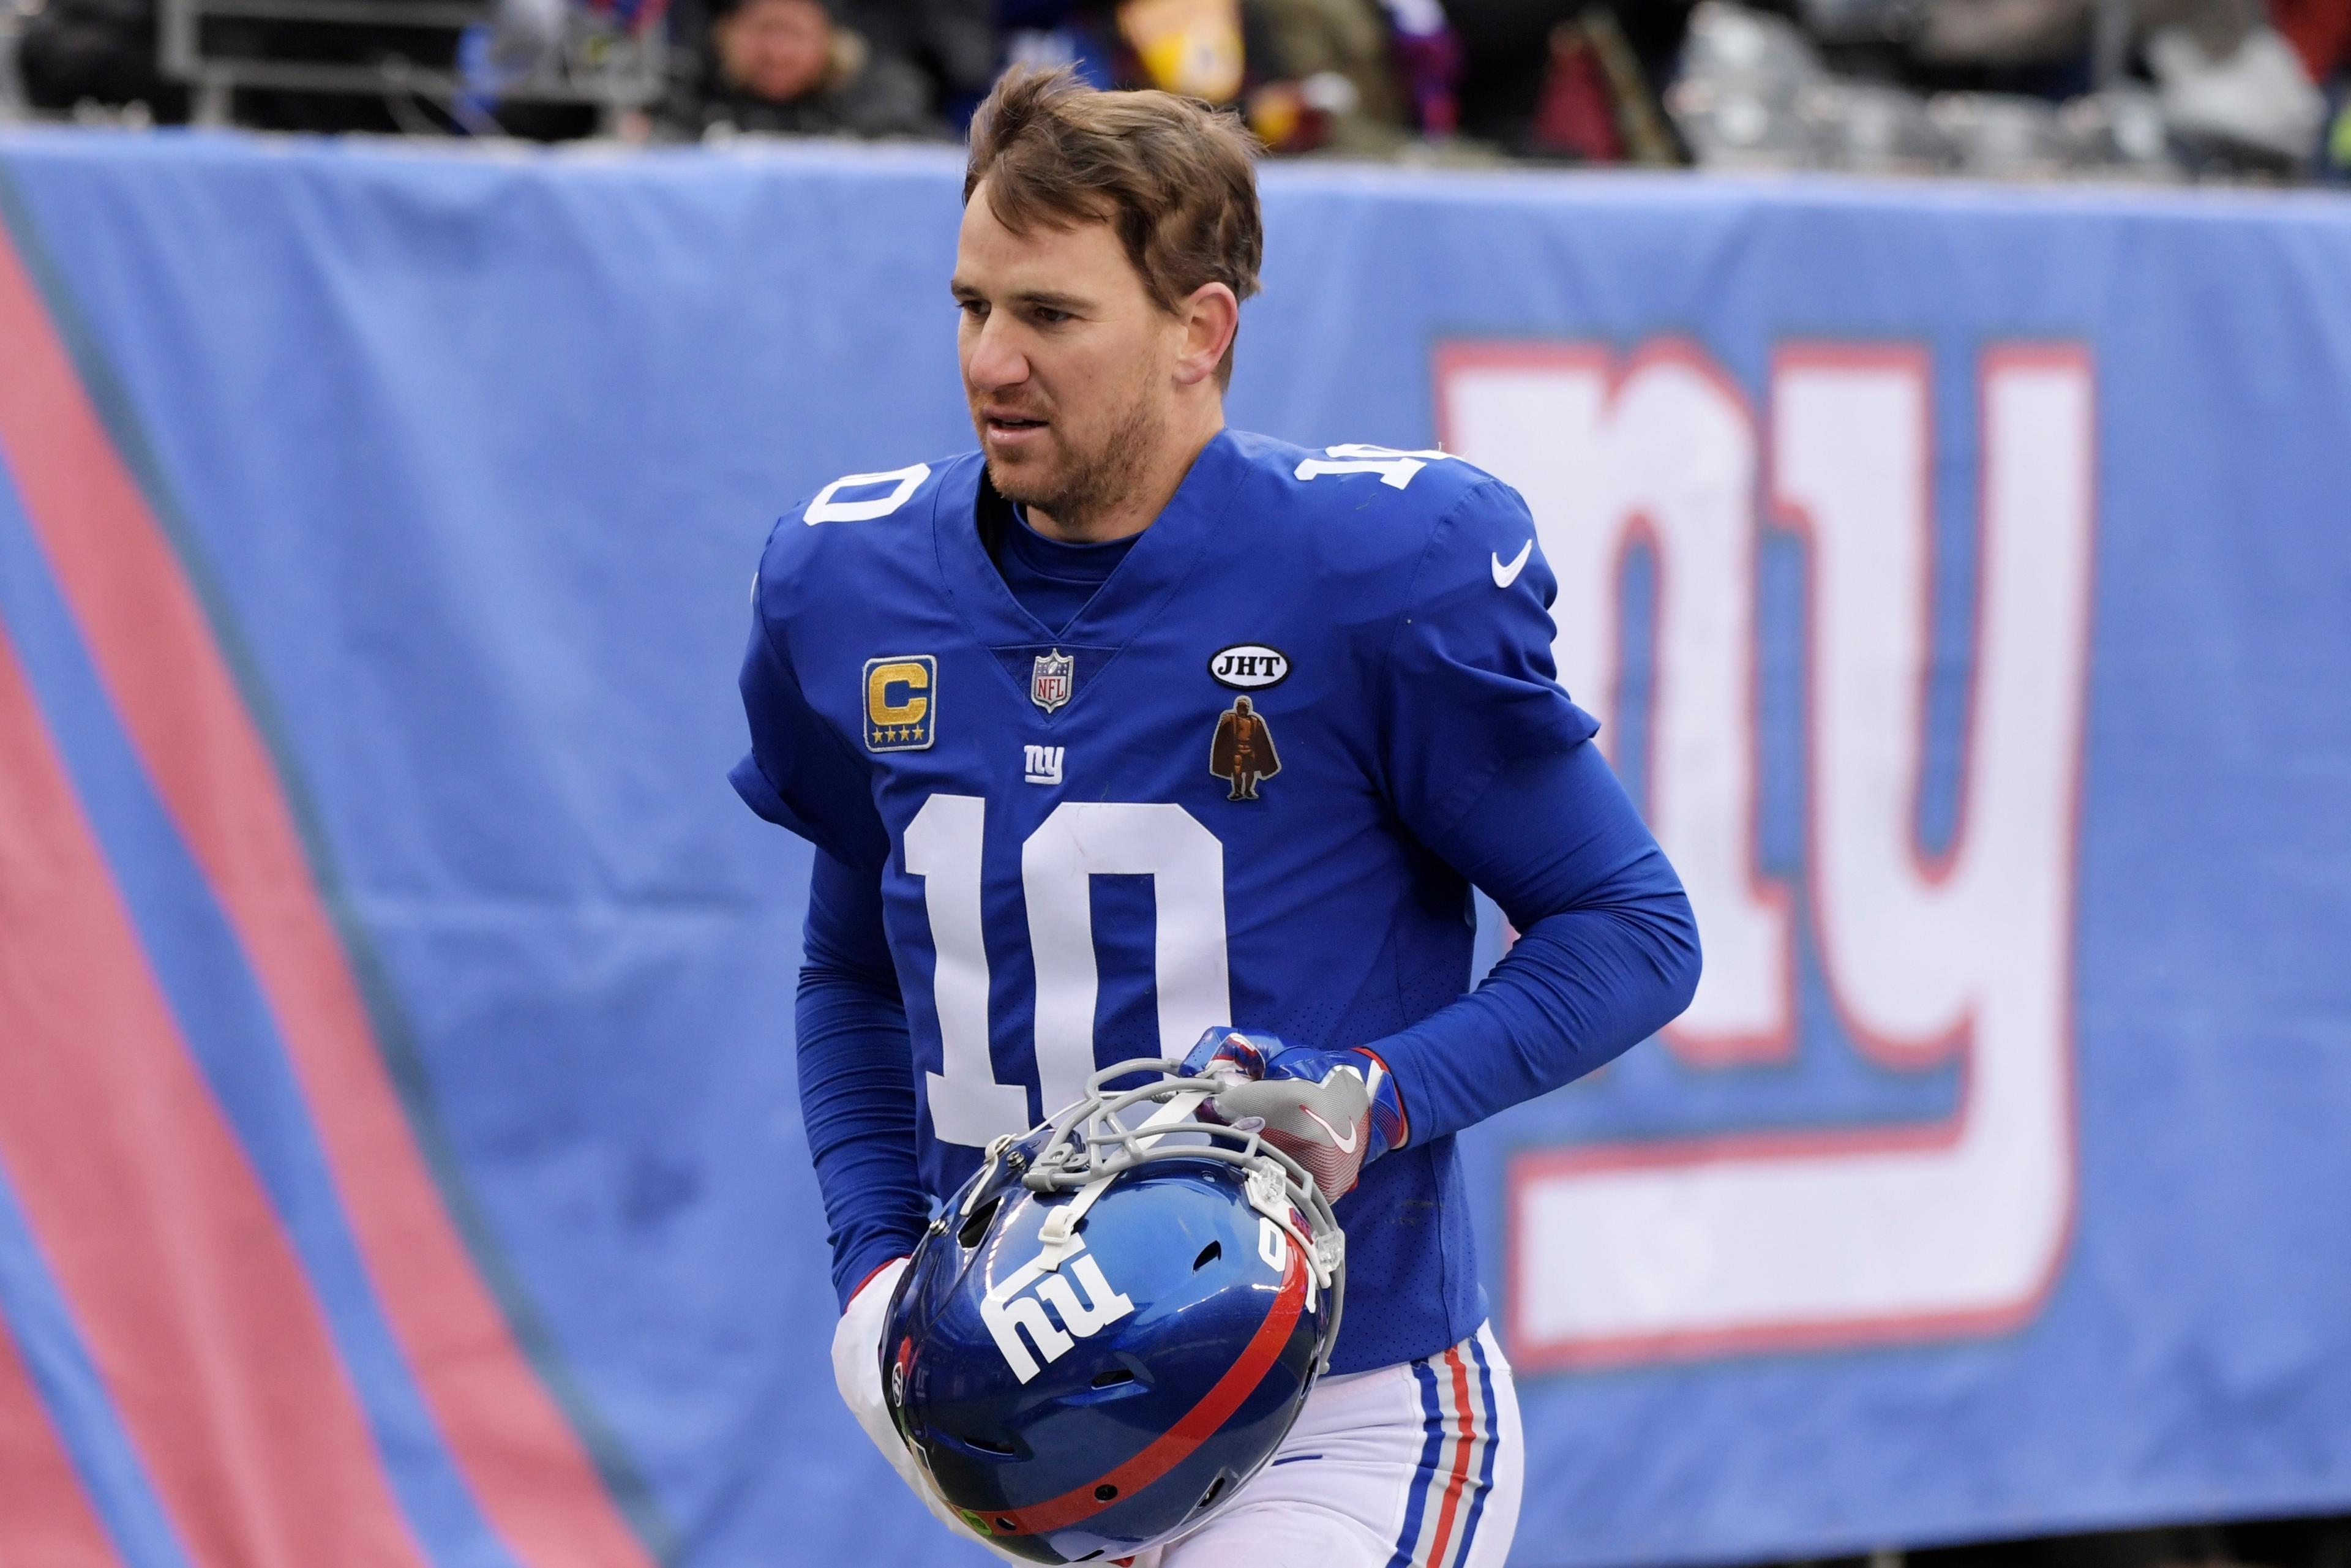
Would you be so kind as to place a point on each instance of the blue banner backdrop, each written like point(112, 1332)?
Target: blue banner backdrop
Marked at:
point(399, 1159)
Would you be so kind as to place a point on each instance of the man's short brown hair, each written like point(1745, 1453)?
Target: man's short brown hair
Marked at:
point(1174, 179)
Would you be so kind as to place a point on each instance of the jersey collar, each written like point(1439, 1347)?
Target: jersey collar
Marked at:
point(1132, 595)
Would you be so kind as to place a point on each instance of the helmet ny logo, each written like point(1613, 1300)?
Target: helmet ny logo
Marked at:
point(1009, 1313)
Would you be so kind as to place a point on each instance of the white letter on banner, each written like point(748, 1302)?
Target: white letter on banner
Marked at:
point(1666, 453)
point(1847, 1236)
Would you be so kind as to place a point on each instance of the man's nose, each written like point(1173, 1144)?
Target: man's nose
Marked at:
point(995, 359)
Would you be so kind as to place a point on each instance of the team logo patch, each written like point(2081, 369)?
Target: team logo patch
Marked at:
point(1041, 764)
point(1049, 682)
point(1248, 666)
point(1077, 1294)
point(901, 702)
point(1242, 752)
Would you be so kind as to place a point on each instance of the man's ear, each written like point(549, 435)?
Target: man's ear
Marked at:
point(1210, 315)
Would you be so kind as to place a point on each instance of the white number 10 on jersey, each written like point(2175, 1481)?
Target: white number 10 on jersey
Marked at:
point(1080, 840)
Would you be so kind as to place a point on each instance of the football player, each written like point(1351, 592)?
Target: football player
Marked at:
point(1027, 702)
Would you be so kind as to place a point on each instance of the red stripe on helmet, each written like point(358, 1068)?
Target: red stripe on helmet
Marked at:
point(1166, 1452)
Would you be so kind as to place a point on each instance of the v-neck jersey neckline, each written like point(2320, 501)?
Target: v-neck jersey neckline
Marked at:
point(1163, 555)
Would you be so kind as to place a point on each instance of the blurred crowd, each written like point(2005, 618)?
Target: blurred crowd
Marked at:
point(2030, 89)
point(2136, 89)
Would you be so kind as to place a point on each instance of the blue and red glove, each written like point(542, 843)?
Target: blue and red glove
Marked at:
point(1332, 1109)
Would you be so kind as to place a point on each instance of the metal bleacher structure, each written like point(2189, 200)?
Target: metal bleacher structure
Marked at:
point(548, 53)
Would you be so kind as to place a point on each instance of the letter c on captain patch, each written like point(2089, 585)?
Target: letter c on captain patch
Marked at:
point(901, 701)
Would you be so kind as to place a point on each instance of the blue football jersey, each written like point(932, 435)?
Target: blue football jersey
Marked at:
point(1203, 802)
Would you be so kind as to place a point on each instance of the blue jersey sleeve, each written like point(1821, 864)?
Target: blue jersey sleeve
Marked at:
point(856, 1077)
point(798, 773)
point(856, 1073)
point(1607, 951)
point(1469, 687)
point(1489, 764)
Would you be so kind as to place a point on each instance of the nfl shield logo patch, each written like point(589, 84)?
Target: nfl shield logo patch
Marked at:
point(1049, 682)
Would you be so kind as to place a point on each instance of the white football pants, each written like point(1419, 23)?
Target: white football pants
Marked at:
point(1420, 1463)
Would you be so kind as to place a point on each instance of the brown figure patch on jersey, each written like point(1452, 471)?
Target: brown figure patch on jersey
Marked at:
point(1243, 750)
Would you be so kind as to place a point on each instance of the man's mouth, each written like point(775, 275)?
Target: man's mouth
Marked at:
point(1008, 432)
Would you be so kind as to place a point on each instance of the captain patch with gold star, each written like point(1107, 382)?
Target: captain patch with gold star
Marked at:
point(901, 694)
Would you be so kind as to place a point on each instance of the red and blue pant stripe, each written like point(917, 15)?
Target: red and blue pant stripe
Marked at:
point(1457, 1461)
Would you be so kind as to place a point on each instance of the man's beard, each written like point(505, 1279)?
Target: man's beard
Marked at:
point(1094, 482)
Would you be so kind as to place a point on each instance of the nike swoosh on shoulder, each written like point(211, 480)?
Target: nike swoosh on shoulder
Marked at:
point(1347, 1143)
point(1506, 575)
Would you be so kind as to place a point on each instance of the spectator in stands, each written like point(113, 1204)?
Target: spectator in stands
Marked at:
point(2320, 31)
point(2229, 82)
point(101, 51)
point(1352, 77)
point(953, 42)
point(788, 68)
point(1572, 79)
point(1360, 78)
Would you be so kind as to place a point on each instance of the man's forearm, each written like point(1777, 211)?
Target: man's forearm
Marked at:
point(856, 1077)
point(1607, 952)
point(858, 1100)
point(1576, 990)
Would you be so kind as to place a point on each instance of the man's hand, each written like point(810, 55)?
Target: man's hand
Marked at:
point(1333, 1111)
point(857, 1373)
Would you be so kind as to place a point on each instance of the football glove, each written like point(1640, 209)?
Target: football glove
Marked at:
point(1332, 1109)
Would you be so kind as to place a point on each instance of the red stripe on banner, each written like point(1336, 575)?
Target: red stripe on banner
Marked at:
point(1175, 1445)
point(179, 702)
point(49, 1519)
point(204, 1328)
point(1454, 1482)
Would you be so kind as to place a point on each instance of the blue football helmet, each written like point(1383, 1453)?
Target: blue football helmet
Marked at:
point(1115, 1324)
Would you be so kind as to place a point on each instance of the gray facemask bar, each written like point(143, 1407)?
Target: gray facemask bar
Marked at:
point(1090, 1143)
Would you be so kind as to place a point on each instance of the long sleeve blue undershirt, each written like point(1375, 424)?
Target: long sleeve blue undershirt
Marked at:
point(1607, 951)
point(1051, 579)
point(1607, 954)
point(857, 1077)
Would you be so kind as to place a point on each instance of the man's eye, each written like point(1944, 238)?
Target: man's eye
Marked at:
point(1047, 316)
point(975, 308)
